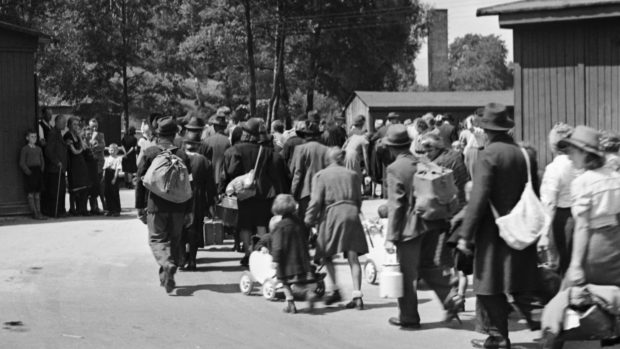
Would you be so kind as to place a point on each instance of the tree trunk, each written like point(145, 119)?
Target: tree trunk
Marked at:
point(313, 67)
point(124, 67)
point(250, 49)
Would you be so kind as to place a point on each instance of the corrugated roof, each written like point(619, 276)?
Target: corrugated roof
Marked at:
point(454, 99)
point(542, 5)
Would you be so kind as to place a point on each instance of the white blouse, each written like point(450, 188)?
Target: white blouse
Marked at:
point(556, 183)
point(596, 195)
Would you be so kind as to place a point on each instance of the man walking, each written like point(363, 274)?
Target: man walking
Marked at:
point(308, 159)
point(165, 219)
point(215, 145)
point(97, 144)
point(414, 247)
point(500, 176)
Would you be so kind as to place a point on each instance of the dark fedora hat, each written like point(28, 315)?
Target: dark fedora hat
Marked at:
point(195, 123)
point(397, 136)
point(192, 137)
point(167, 126)
point(584, 138)
point(218, 120)
point(392, 115)
point(252, 126)
point(495, 118)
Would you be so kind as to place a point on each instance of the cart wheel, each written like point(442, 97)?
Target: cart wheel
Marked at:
point(370, 272)
point(269, 290)
point(320, 288)
point(246, 284)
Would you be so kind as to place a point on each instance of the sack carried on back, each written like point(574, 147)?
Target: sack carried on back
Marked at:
point(435, 192)
point(168, 177)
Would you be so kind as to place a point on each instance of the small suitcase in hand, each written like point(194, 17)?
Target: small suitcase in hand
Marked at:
point(213, 231)
point(227, 211)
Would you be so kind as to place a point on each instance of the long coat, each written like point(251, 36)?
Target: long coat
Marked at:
point(213, 148)
point(499, 177)
point(289, 248)
point(335, 205)
point(204, 192)
point(308, 159)
point(401, 214)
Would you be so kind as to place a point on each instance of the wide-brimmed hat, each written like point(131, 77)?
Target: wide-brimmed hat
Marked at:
point(584, 138)
point(218, 120)
point(192, 137)
point(495, 118)
point(392, 115)
point(397, 136)
point(252, 126)
point(223, 111)
point(166, 126)
point(195, 123)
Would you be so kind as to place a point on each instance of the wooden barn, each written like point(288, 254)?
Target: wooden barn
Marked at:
point(566, 65)
point(411, 105)
point(18, 109)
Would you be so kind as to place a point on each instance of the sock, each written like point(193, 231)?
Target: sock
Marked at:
point(357, 294)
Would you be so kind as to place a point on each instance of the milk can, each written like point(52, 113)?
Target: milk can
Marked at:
point(391, 280)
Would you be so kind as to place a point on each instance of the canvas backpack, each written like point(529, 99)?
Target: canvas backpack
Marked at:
point(168, 177)
point(435, 192)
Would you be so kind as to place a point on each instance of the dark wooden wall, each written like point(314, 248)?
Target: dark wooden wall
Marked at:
point(568, 72)
point(17, 114)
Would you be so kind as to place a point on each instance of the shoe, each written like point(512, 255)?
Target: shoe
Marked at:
point(162, 277)
point(453, 306)
point(355, 303)
point(169, 272)
point(244, 261)
point(116, 214)
point(396, 322)
point(492, 342)
point(311, 298)
point(333, 297)
point(191, 265)
point(290, 308)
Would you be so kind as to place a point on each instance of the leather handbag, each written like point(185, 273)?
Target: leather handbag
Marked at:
point(527, 220)
point(244, 186)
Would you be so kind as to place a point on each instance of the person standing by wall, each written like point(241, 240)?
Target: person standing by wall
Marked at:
point(77, 171)
point(32, 164)
point(56, 166)
point(130, 149)
point(500, 175)
point(111, 171)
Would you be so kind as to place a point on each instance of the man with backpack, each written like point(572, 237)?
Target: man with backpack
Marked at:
point(414, 249)
point(163, 199)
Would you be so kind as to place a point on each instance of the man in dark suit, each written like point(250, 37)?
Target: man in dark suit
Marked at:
point(215, 145)
point(165, 219)
point(308, 159)
point(293, 141)
point(414, 247)
point(55, 169)
point(500, 176)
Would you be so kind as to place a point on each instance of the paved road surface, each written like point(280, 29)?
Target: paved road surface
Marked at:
point(92, 283)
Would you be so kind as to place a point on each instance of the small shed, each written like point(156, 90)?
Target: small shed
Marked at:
point(566, 65)
point(18, 109)
point(411, 105)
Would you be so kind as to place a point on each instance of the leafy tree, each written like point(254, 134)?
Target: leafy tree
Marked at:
point(478, 63)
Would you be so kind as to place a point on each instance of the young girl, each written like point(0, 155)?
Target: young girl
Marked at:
point(289, 250)
point(31, 162)
point(112, 168)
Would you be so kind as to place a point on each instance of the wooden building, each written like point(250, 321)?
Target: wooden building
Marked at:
point(566, 65)
point(18, 109)
point(411, 105)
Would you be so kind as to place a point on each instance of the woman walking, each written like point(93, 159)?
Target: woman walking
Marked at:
point(334, 207)
point(271, 178)
point(130, 165)
point(79, 181)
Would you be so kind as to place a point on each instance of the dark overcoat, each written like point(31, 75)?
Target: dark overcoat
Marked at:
point(289, 248)
point(500, 176)
point(204, 193)
point(213, 148)
point(401, 202)
point(308, 159)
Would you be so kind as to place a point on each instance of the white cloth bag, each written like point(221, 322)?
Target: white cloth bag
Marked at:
point(527, 220)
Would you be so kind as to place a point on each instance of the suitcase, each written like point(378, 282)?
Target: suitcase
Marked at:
point(213, 232)
point(227, 211)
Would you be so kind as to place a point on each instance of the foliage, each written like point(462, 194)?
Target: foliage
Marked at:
point(478, 63)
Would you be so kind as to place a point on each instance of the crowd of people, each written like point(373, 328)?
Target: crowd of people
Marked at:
point(313, 178)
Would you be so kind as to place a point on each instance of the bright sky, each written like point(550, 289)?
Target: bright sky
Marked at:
point(462, 20)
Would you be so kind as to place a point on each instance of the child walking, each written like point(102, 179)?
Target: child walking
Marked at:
point(289, 249)
point(32, 164)
point(112, 168)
